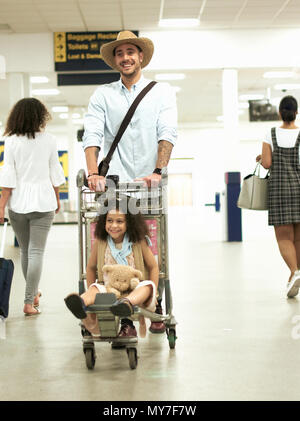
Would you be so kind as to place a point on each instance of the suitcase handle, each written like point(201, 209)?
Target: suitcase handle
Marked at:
point(5, 220)
point(3, 238)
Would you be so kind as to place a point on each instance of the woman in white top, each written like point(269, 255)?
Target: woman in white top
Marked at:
point(280, 152)
point(30, 179)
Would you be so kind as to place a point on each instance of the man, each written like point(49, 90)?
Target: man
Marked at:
point(146, 145)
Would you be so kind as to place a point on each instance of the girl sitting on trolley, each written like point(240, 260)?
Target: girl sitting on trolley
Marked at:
point(120, 239)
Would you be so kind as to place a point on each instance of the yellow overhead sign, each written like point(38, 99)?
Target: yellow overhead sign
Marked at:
point(80, 51)
point(60, 49)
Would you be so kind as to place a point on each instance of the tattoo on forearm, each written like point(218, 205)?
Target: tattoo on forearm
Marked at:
point(164, 153)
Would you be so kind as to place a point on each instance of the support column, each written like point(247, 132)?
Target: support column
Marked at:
point(2, 67)
point(72, 139)
point(232, 214)
point(231, 118)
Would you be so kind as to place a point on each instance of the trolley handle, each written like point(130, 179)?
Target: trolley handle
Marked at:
point(119, 186)
point(3, 238)
point(129, 185)
point(114, 178)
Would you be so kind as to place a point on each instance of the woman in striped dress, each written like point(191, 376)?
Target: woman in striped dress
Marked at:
point(280, 153)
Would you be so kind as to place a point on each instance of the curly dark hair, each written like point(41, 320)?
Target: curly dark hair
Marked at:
point(27, 117)
point(135, 223)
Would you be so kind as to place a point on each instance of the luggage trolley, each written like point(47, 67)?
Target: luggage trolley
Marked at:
point(153, 205)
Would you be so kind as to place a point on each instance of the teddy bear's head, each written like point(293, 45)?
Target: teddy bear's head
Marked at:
point(122, 277)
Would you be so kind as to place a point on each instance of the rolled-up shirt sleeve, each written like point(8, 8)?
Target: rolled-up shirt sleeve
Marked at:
point(167, 119)
point(56, 171)
point(94, 121)
point(8, 175)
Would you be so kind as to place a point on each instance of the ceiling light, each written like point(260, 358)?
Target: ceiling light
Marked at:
point(170, 76)
point(76, 115)
point(39, 79)
point(278, 75)
point(287, 86)
point(178, 23)
point(251, 97)
point(45, 92)
point(60, 109)
point(64, 116)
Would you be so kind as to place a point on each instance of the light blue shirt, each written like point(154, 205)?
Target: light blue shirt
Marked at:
point(155, 119)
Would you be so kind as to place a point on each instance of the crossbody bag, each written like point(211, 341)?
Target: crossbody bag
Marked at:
point(103, 167)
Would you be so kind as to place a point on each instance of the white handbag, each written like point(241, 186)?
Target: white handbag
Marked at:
point(254, 191)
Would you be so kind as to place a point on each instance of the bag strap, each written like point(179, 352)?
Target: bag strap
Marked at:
point(258, 166)
point(297, 140)
point(126, 120)
point(274, 139)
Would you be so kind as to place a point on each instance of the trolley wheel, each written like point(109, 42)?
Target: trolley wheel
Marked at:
point(90, 358)
point(132, 357)
point(85, 332)
point(172, 338)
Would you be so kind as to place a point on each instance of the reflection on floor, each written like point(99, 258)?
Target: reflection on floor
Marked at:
point(238, 337)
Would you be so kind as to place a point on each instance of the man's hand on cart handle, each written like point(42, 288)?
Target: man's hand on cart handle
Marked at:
point(96, 182)
point(151, 180)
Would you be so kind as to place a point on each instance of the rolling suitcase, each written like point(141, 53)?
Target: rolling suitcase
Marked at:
point(6, 275)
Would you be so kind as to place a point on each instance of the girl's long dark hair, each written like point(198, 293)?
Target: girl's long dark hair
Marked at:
point(26, 118)
point(136, 225)
point(288, 108)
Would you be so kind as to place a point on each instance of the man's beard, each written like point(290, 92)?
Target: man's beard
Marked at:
point(130, 75)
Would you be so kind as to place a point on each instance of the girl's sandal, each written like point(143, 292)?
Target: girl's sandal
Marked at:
point(76, 305)
point(122, 308)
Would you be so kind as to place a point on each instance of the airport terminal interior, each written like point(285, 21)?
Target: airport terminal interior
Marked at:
point(238, 334)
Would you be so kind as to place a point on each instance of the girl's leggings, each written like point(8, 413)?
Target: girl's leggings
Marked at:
point(31, 231)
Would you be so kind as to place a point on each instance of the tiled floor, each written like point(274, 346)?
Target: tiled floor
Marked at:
point(238, 335)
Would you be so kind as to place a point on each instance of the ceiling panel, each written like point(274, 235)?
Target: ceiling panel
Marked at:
point(83, 15)
point(174, 9)
point(57, 15)
point(29, 27)
point(181, 14)
point(105, 26)
point(134, 4)
point(203, 86)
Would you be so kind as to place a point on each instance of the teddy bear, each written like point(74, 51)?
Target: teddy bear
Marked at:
point(121, 279)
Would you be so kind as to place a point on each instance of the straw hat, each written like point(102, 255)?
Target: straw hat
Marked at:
point(127, 37)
